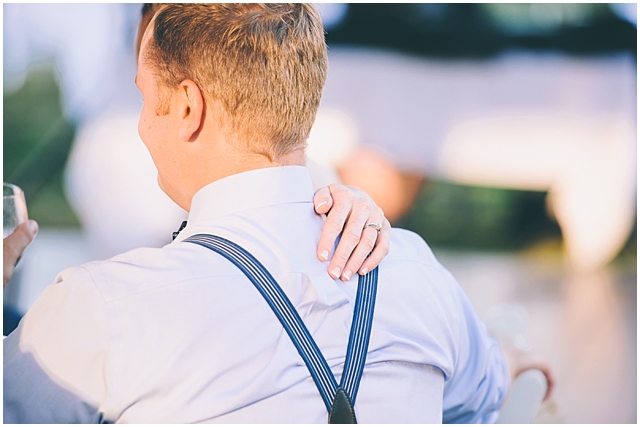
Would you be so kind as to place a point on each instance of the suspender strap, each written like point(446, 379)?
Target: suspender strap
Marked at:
point(294, 326)
point(360, 333)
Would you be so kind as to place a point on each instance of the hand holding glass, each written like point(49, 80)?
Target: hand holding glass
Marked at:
point(14, 208)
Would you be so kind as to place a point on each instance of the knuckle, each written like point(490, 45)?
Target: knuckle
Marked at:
point(362, 204)
point(356, 195)
point(336, 187)
point(380, 256)
point(327, 243)
point(334, 227)
point(337, 213)
point(370, 240)
point(324, 243)
point(344, 191)
point(342, 258)
point(353, 262)
point(334, 220)
point(329, 235)
point(353, 234)
point(372, 262)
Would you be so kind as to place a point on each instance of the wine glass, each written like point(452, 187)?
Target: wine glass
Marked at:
point(14, 208)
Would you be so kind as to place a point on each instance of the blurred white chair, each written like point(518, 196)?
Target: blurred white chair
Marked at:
point(507, 323)
point(527, 392)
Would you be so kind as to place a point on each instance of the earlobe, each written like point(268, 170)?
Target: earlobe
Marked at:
point(192, 110)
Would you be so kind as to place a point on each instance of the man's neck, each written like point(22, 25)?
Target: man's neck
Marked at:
point(250, 161)
point(228, 165)
point(295, 158)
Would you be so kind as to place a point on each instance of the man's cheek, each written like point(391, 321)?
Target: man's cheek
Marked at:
point(144, 130)
point(141, 129)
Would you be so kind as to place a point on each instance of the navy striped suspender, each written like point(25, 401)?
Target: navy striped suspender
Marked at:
point(293, 324)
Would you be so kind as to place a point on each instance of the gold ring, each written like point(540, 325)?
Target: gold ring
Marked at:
point(378, 227)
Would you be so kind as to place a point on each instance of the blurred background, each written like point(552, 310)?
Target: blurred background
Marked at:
point(504, 134)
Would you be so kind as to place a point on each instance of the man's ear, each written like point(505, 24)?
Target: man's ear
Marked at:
point(191, 110)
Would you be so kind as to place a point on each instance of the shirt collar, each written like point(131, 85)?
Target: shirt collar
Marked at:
point(249, 190)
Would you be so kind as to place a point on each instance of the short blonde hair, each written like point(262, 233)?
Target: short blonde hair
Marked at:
point(265, 63)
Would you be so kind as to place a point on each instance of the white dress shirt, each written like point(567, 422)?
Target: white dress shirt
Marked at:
point(179, 335)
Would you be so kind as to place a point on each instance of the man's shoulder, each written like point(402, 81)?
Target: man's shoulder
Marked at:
point(147, 269)
point(409, 246)
point(418, 298)
point(416, 275)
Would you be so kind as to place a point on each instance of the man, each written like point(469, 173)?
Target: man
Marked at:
point(345, 207)
point(179, 334)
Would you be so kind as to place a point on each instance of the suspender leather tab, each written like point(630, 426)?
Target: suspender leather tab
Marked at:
point(342, 410)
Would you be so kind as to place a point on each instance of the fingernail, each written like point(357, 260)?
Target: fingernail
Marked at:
point(346, 275)
point(320, 204)
point(364, 271)
point(336, 272)
point(324, 255)
point(33, 226)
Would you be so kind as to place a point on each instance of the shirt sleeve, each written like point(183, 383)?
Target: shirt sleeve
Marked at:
point(55, 362)
point(480, 380)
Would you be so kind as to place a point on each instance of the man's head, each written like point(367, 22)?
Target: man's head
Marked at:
point(264, 64)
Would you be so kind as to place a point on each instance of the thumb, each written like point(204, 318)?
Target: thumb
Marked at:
point(322, 200)
point(13, 246)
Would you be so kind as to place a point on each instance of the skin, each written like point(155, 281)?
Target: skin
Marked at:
point(352, 210)
point(14, 245)
point(191, 148)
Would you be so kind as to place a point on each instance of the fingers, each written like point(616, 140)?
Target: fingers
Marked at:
point(357, 242)
point(360, 249)
point(322, 200)
point(340, 203)
point(13, 246)
point(352, 236)
point(380, 250)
